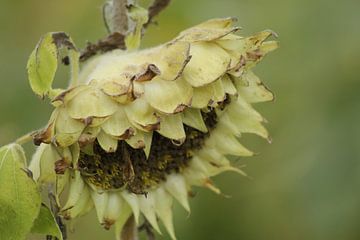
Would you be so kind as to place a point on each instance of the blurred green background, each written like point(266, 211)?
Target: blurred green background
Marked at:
point(306, 184)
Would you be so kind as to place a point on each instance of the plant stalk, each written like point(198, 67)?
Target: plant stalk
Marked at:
point(120, 19)
point(130, 231)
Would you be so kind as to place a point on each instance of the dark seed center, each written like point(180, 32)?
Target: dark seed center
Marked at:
point(129, 168)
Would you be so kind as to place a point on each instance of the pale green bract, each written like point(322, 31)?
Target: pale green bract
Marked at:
point(140, 16)
point(19, 196)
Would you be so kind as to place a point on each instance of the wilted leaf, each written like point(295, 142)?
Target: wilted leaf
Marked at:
point(42, 65)
point(19, 195)
point(43, 62)
point(45, 223)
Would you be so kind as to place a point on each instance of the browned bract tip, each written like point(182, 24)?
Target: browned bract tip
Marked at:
point(242, 63)
point(151, 127)
point(191, 193)
point(61, 96)
point(37, 141)
point(87, 121)
point(122, 89)
point(124, 92)
point(43, 136)
point(184, 65)
point(61, 166)
point(180, 108)
point(108, 223)
point(254, 55)
point(150, 72)
point(86, 139)
point(128, 134)
point(131, 96)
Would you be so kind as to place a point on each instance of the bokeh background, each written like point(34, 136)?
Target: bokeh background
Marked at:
point(306, 184)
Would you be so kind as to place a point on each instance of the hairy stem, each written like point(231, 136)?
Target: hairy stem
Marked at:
point(120, 20)
point(117, 22)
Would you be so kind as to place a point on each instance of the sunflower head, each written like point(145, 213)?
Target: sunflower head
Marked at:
point(142, 127)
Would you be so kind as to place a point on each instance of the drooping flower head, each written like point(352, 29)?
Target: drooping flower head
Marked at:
point(142, 127)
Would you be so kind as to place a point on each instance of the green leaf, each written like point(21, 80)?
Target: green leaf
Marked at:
point(19, 195)
point(42, 65)
point(45, 223)
point(43, 62)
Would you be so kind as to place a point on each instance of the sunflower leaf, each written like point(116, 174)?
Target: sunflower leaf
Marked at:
point(19, 195)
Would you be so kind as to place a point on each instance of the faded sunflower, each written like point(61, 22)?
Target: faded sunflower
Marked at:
point(141, 128)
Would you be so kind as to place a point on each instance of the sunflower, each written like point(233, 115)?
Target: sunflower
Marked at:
point(142, 127)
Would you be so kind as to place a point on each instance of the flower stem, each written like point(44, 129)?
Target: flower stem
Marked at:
point(130, 231)
point(120, 20)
